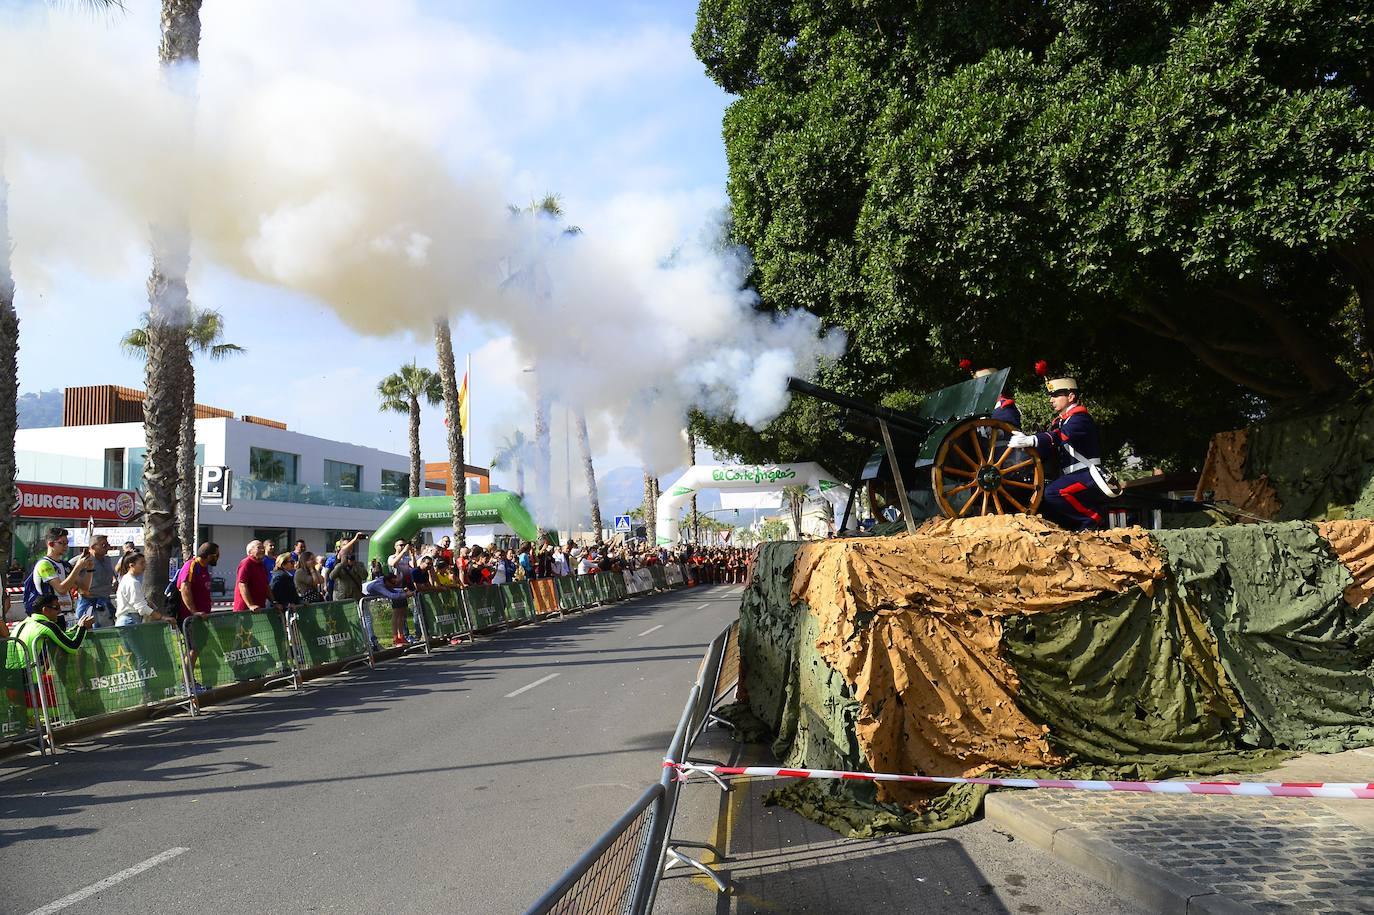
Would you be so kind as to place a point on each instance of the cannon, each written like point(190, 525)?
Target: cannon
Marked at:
point(948, 457)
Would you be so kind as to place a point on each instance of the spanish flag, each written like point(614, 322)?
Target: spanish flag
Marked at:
point(463, 401)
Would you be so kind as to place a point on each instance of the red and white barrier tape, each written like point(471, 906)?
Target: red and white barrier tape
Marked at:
point(1248, 789)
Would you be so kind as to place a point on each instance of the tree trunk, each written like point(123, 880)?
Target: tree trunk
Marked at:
point(167, 371)
point(593, 498)
point(9, 375)
point(186, 468)
point(543, 505)
point(415, 468)
point(650, 507)
point(448, 375)
point(691, 462)
point(1306, 354)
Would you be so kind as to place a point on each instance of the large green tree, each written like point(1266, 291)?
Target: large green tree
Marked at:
point(1170, 199)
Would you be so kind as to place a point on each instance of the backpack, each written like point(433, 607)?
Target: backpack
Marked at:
point(33, 590)
point(171, 596)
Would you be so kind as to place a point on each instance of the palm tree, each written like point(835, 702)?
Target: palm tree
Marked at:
point(512, 453)
point(692, 462)
point(534, 276)
point(401, 393)
point(167, 374)
point(9, 353)
point(773, 529)
point(457, 467)
point(205, 336)
point(795, 498)
point(593, 497)
point(9, 372)
point(650, 506)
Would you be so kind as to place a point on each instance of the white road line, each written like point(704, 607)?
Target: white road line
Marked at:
point(703, 606)
point(530, 686)
point(647, 631)
point(108, 882)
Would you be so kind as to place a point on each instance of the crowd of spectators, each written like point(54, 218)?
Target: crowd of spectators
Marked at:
point(65, 598)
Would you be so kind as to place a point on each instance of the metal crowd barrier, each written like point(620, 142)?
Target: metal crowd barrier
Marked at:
point(620, 873)
point(24, 715)
point(151, 665)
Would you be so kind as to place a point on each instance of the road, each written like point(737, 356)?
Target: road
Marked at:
point(462, 782)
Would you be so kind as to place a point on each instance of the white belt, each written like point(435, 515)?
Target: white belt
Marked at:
point(1092, 465)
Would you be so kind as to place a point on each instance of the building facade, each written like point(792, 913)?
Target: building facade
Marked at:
point(285, 485)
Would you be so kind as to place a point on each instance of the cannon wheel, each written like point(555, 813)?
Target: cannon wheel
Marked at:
point(973, 476)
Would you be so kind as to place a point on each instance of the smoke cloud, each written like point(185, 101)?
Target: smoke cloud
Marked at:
point(321, 189)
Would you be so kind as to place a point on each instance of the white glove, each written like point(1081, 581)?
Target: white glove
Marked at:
point(1020, 440)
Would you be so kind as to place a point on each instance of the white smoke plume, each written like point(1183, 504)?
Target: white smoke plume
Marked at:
point(320, 189)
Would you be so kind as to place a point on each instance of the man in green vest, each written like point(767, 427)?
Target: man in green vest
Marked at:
point(39, 630)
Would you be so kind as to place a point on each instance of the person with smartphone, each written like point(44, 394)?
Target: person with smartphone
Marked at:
point(97, 587)
point(52, 574)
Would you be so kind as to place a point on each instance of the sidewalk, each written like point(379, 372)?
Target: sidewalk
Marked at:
point(779, 862)
point(1205, 853)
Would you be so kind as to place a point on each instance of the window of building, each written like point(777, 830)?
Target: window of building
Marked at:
point(273, 466)
point(396, 482)
point(343, 476)
point(283, 537)
point(114, 468)
point(133, 465)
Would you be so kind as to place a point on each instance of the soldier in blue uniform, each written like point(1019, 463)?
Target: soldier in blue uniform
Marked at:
point(1076, 498)
point(1006, 409)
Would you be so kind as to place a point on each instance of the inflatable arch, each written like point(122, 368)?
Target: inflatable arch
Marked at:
point(744, 478)
point(423, 511)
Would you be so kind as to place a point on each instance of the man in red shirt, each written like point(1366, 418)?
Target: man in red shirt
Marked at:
point(193, 582)
point(252, 590)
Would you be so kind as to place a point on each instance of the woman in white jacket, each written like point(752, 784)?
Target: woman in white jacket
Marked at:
point(131, 602)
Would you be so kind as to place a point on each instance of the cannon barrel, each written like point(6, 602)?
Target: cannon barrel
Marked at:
point(913, 425)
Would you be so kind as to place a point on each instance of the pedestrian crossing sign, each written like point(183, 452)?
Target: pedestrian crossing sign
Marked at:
point(622, 524)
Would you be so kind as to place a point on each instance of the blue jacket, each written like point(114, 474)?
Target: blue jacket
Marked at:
point(1007, 412)
point(1072, 437)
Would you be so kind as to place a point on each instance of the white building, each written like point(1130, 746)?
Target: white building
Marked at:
point(285, 484)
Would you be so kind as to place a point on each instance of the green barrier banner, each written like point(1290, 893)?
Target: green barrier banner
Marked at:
point(617, 585)
point(444, 613)
point(586, 591)
point(485, 606)
point(330, 632)
point(568, 598)
point(117, 669)
point(15, 720)
point(519, 602)
point(238, 646)
point(659, 579)
point(601, 585)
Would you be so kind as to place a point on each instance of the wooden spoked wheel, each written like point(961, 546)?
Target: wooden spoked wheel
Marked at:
point(975, 473)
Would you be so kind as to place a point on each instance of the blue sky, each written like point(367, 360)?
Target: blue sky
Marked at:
point(601, 102)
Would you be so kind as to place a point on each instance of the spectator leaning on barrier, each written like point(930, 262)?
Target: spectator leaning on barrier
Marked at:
point(443, 573)
point(52, 575)
point(97, 586)
point(560, 561)
point(347, 578)
point(131, 601)
point(251, 584)
point(40, 629)
point(193, 587)
point(283, 584)
point(388, 586)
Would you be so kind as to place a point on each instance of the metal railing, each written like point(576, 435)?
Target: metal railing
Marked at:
point(606, 880)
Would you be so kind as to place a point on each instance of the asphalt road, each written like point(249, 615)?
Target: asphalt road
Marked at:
point(462, 782)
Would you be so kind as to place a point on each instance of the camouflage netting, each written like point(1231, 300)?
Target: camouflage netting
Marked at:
point(1307, 467)
point(1006, 644)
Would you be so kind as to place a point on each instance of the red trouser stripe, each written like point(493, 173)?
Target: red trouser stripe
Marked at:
point(1068, 491)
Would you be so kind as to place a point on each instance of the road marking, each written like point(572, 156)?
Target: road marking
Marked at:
point(703, 606)
point(647, 631)
point(530, 686)
point(108, 882)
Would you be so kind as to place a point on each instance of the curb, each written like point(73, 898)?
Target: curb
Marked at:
point(1153, 887)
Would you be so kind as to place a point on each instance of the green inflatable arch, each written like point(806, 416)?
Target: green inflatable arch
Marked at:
point(430, 511)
